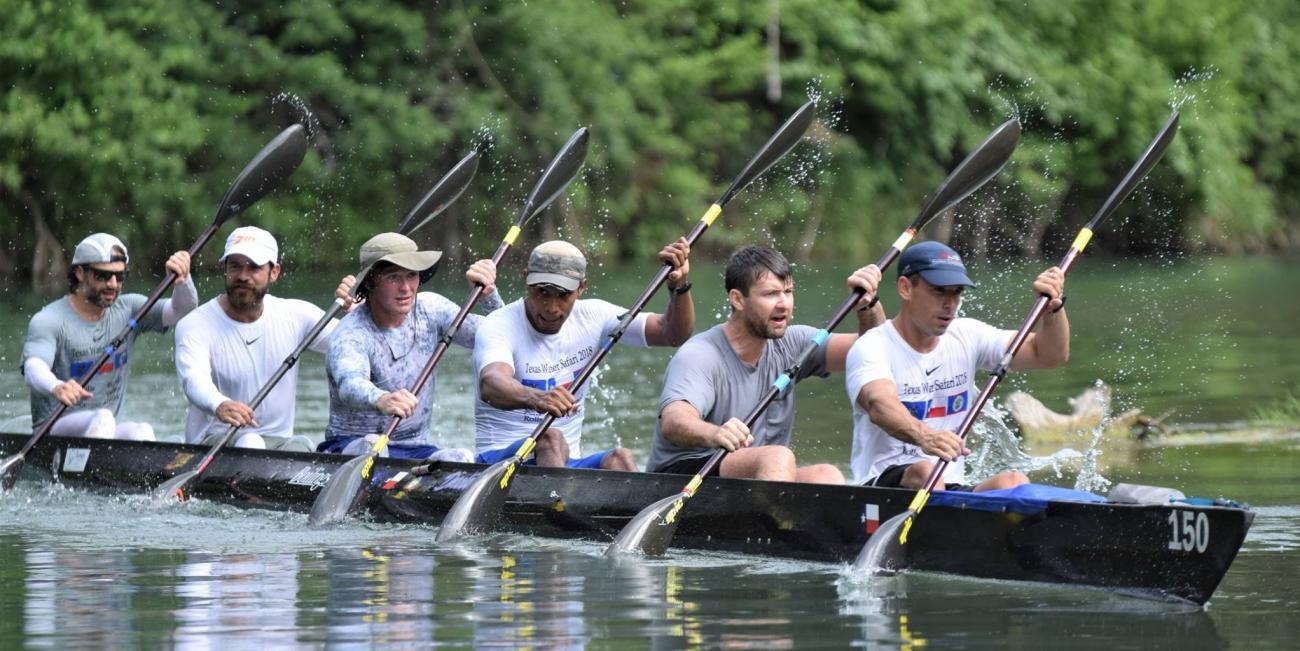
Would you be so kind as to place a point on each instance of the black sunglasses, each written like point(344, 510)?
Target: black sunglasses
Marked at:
point(103, 275)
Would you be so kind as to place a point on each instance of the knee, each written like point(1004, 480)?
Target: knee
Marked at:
point(822, 473)
point(145, 433)
point(363, 445)
point(252, 441)
point(916, 475)
point(778, 456)
point(553, 441)
point(776, 463)
point(619, 459)
point(102, 425)
point(1011, 479)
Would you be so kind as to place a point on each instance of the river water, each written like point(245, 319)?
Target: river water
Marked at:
point(1211, 342)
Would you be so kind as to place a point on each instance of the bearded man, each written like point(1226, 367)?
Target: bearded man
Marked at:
point(229, 347)
point(720, 375)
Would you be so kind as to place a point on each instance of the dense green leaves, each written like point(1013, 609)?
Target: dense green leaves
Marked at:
point(133, 117)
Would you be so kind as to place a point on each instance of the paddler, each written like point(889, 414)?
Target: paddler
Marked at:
point(380, 349)
point(722, 373)
point(66, 337)
point(230, 346)
point(912, 380)
point(528, 354)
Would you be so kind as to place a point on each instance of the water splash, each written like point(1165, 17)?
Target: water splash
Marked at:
point(883, 553)
point(302, 113)
point(996, 448)
point(1190, 87)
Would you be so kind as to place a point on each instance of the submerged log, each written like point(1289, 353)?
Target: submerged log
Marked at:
point(1090, 410)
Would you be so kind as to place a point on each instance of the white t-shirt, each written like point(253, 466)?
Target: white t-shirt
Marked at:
point(542, 362)
point(220, 359)
point(936, 387)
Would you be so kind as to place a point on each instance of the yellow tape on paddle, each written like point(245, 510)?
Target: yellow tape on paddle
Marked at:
point(672, 513)
point(917, 504)
point(511, 235)
point(919, 500)
point(711, 214)
point(525, 449)
point(692, 485)
point(378, 449)
point(1085, 235)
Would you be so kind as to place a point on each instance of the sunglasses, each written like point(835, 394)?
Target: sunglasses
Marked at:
point(102, 275)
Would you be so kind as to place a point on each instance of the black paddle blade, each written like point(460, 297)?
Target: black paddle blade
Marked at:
point(557, 176)
point(277, 160)
point(9, 470)
point(883, 550)
point(173, 490)
point(777, 146)
point(978, 168)
point(1140, 169)
point(444, 193)
point(340, 492)
point(647, 532)
point(478, 507)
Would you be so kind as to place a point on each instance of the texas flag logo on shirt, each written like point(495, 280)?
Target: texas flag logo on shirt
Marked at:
point(924, 409)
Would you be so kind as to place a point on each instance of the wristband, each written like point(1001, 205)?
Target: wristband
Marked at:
point(678, 291)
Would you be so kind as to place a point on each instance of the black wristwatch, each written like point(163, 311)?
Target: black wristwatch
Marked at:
point(678, 291)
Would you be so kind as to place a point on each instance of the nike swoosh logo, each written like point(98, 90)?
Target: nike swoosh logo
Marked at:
point(250, 342)
point(933, 370)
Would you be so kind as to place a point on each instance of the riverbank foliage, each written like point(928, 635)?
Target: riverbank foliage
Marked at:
point(132, 117)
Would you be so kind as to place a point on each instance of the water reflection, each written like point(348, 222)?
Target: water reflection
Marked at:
point(249, 580)
point(78, 595)
point(910, 610)
point(238, 595)
point(375, 597)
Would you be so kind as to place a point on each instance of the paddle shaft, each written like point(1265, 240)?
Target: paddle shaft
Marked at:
point(118, 340)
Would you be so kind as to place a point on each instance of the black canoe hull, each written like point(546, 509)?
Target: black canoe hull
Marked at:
point(1164, 552)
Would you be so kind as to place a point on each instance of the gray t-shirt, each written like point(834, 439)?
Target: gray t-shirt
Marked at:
point(365, 362)
point(707, 373)
point(70, 345)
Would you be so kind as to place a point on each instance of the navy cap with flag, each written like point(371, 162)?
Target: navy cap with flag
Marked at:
point(938, 265)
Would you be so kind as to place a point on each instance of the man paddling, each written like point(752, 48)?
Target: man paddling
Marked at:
point(912, 379)
point(722, 373)
point(230, 346)
point(379, 349)
point(528, 353)
point(66, 337)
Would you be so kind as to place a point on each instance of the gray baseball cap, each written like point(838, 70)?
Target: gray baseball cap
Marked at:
point(557, 263)
point(98, 249)
point(401, 251)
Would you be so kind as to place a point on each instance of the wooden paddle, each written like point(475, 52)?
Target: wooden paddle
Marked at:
point(881, 549)
point(478, 507)
point(272, 165)
point(444, 193)
point(651, 530)
point(343, 489)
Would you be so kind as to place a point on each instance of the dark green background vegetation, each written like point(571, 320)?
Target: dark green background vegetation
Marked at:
point(134, 116)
